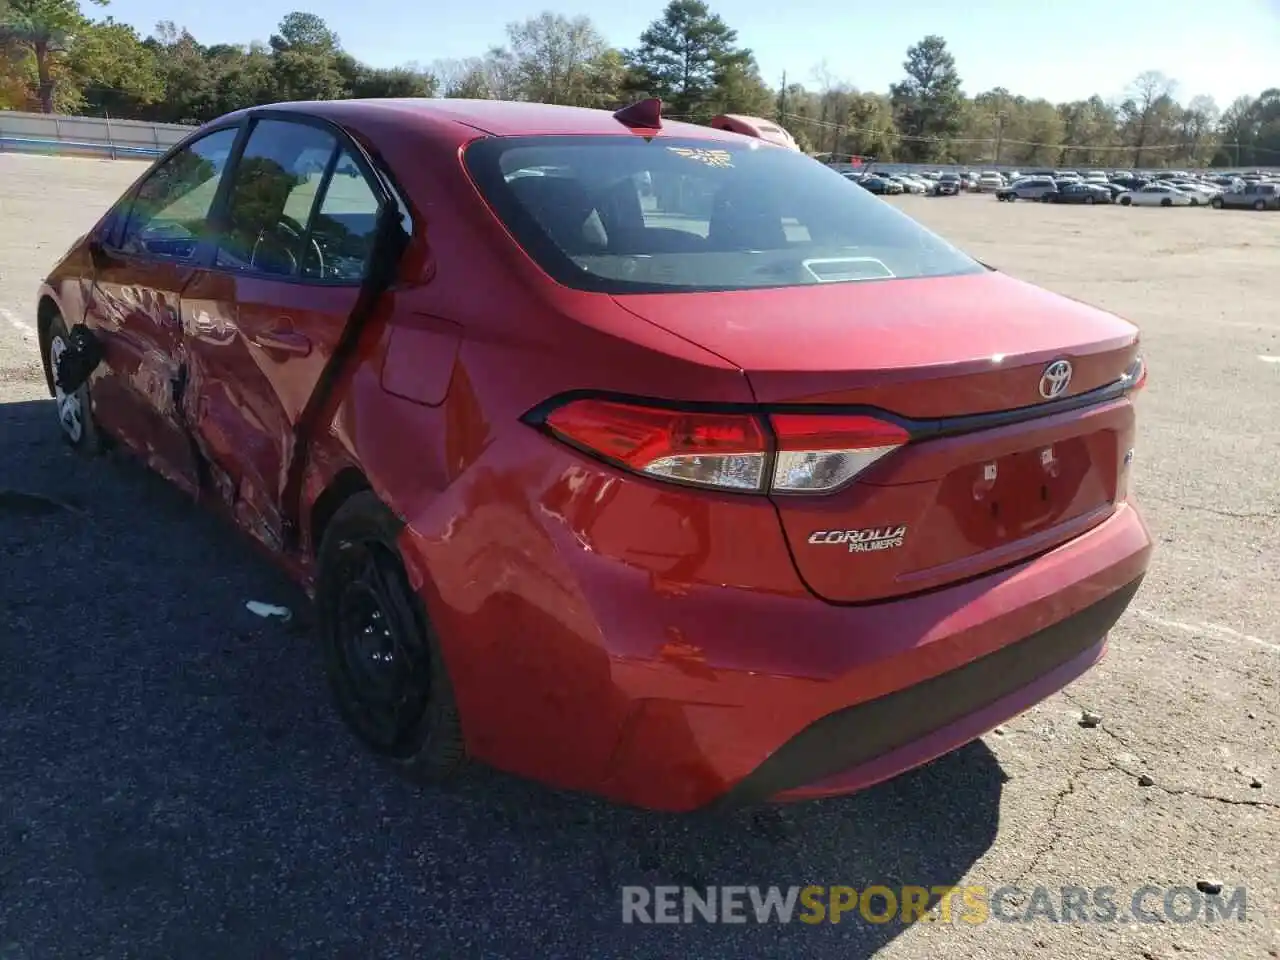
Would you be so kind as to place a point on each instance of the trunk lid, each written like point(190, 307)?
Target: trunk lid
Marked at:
point(971, 493)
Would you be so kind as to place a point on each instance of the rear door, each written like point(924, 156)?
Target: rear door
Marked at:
point(148, 254)
point(262, 323)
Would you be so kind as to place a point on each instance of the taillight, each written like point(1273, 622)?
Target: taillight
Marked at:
point(792, 453)
point(818, 453)
point(709, 449)
point(1135, 378)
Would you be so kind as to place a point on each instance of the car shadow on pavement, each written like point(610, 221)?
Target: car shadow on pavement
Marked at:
point(173, 781)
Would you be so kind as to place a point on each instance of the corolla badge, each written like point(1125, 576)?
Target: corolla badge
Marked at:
point(1055, 379)
point(862, 541)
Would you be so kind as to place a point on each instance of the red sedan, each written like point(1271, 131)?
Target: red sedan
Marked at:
point(633, 456)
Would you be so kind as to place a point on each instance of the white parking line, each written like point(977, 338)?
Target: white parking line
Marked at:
point(1268, 359)
point(28, 332)
point(1214, 630)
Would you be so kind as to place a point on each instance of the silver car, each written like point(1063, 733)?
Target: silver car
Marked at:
point(1028, 188)
point(1256, 196)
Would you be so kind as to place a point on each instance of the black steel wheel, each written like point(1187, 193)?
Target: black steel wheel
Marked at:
point(382, 657)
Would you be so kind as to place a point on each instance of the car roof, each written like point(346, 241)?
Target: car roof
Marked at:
point(500, 118)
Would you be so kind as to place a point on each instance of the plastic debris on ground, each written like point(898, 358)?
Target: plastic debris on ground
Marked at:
point(268, 611)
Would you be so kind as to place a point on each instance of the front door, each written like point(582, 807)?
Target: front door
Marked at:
point(262, 323)
point(147, 257)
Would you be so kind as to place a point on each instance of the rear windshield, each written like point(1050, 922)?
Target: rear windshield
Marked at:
point(619, 214)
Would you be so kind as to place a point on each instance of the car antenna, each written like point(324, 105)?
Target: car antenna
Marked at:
point(645, 114)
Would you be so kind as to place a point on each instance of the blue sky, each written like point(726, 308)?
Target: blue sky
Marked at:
point(1061, 52)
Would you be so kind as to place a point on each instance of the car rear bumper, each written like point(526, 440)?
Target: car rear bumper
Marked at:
point(850, 696)
point(588, 671)
point(861, 745)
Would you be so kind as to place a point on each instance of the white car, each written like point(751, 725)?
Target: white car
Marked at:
point(1201, 194)
point(1155, 195)
point(990, 182)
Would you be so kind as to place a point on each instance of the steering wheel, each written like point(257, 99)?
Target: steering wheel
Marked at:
point(291, 232)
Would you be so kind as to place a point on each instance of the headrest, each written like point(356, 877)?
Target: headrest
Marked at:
point(561, 206)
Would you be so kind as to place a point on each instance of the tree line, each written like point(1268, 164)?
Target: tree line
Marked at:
point(56, 57)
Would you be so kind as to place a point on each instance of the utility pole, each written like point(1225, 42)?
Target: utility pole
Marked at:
point(1000, 117)
point(782, 98)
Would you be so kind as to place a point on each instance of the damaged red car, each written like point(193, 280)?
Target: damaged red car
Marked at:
point(633, 456)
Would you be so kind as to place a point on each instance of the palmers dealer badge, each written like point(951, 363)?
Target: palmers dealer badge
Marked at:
point(863, 541)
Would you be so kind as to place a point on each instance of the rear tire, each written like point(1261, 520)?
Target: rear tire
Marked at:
point(1126, 201)
point(1166, 202)
point(1216, 203)
point(1260, 205)
point(1090, 201)
point(382, 656)
point(75, 410)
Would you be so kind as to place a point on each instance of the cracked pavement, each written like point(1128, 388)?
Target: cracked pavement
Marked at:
point(173, 782)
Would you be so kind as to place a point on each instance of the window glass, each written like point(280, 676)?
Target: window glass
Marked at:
point(169, 213)
point(272, 193)
point(342, 233)
point(621, 214)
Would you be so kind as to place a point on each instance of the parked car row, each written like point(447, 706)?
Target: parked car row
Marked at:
point(1159, 189)
point(927, 183)
point(1163, 188)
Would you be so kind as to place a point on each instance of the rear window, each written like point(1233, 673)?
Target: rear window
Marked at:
point(625, 215)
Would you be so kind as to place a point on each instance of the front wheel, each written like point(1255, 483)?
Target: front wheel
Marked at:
point(1090, 200)
point(1166, 202)
point(75, 410)
point(1260, 205)
point(1126, 201)
point(381, 654)
point(1216, 203)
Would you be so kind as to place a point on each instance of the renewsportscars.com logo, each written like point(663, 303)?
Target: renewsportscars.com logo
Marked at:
point(974, 904)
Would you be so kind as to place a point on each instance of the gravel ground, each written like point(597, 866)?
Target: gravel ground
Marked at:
point(172, 782)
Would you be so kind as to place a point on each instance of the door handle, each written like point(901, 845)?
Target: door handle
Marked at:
point(287, 342)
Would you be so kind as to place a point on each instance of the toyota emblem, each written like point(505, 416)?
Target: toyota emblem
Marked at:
point(1055, 379)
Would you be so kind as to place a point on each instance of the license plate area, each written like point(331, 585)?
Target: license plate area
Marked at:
point(1019, 494)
